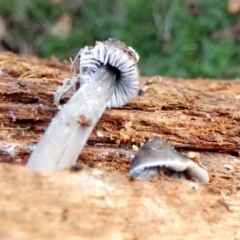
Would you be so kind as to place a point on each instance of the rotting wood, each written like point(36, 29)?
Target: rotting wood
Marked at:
point(53, 206)
point(206, 120)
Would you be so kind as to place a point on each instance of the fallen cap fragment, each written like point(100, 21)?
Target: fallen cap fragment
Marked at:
point(157, 156)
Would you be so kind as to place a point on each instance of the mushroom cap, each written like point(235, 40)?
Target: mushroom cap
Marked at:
point(117, 55)
point(159, 155)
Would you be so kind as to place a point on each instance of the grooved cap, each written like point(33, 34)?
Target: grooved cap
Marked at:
point(118, 55)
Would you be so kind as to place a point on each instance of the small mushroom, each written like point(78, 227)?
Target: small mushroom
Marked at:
point(157, 156)
point(109, 77)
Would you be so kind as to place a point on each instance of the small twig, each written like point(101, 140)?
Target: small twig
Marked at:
point(168, 85)
point(62, 90)
point(73, 63)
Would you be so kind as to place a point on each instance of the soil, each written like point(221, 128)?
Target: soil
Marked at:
point(95, 199)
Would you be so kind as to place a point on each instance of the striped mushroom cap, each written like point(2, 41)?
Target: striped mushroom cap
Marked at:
point(156, 156)
point(124, 59)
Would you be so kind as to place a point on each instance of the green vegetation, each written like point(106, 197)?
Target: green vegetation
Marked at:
point(173, 38)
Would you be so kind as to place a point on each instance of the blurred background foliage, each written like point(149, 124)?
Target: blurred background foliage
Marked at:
point(181, 38)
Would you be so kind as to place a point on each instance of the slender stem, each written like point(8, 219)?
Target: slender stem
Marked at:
point(65, 137)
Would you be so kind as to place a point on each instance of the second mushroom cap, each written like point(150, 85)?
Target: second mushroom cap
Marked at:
point(158, 156)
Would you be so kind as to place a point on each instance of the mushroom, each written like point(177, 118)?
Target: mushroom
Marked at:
point(157, 156)
point(109, 78)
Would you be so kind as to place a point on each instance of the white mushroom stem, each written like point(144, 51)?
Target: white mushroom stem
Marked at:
point(65, 136)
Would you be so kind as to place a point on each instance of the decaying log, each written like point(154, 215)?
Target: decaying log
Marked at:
point(105, 205)
point(206, 117)
point(199, 117)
